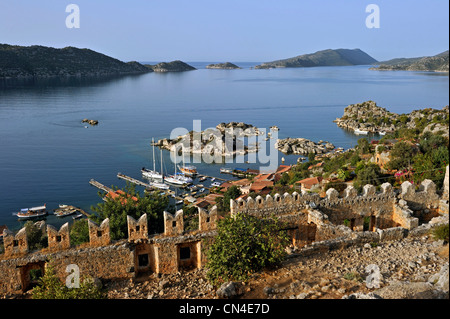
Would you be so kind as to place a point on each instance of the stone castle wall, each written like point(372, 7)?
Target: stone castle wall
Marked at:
point(315, 224)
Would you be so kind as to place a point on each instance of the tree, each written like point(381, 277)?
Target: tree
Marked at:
point(363, 146)
point(79, 232)
point(232, 193)
point(244, 244)
point(370, 174)
point(129, 202)
point(402, 154)
point(37, 238)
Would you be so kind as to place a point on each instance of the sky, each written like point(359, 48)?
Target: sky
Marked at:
point(231, 30)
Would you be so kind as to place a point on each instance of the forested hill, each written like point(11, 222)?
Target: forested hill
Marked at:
point(40, 61)
point(339, 57)
point(439, 62)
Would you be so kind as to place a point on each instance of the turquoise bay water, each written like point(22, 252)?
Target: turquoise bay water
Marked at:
point(47, 156)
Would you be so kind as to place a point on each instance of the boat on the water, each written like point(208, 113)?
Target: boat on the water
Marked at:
point(174, 179)
point(188, 170)
point(33, 212)
point(159, 185)
point(360, 132)
point(77, 216)
point(153, 174)
point(382, 133)
point(226, 170)
point(65, 212)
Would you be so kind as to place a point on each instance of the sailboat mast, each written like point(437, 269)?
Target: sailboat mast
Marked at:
point(153, 143)
point(162, 173)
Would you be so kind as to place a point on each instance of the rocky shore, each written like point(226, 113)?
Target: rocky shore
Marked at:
point(226, 139)
point(368, 116)
point(414, 268)
point(303, 146)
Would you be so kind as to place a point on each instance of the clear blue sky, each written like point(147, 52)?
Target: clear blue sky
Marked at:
point(231, 30)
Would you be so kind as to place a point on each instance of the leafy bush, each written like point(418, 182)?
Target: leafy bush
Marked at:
point(441, 233)
point(37, 238)
point(50, 287)
point(79, 232)
point(244, 245)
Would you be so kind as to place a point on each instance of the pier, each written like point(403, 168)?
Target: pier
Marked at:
point(100, 186)
point(134, 181)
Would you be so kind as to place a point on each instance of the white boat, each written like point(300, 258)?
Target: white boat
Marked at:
point(77, 216)
point(159, 185)
point(152, 174)
point(33, 212)
point(65, 212)
point(184, 178)
point(216, 184)
point(226, 170)
point(360, 132)
point(175, 180)
point(63, 206)
point(382, 133)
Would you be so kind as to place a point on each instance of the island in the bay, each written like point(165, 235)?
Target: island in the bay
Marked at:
point(42, 62)
point(223, 66)
point(226, 139)
point(369, 117)
point(338, 57)
point(436, 63)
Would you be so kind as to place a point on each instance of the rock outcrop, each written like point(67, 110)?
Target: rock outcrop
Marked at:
point(303, 146)
point(223, 66)
point(370, 117)
point(224, 140)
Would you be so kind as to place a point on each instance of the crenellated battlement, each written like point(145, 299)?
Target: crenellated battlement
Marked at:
point(137, 229)
point(382, 213)
point(99, 235)
point(58, 239)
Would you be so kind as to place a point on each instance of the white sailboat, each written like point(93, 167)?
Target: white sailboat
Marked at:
point(175, 179)
point(152, 174)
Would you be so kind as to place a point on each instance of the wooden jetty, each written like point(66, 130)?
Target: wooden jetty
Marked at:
point(100, 186)
point(133, 180)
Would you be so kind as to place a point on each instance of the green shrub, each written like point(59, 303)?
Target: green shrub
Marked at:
point(51, 287)
point(440, 233)
point(244, 245)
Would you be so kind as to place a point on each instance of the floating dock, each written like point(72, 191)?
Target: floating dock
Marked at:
point(100, 186)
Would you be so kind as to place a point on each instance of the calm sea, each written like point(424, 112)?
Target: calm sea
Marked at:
point(48, 156)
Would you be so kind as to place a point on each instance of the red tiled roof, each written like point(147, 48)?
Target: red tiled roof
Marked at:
point(309, 182)
point(283, 169)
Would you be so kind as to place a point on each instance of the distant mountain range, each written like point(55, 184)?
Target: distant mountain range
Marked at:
point(339, 57)
point(42, 62)
point(439, 63)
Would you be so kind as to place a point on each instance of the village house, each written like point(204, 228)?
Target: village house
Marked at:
point(309, 184)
